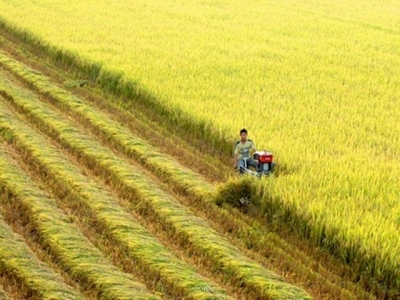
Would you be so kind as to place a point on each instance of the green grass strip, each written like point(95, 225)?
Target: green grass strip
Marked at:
point(73, 250)
point(17, 259)
point(193, 231)
point(120, 136)
point(156, 260)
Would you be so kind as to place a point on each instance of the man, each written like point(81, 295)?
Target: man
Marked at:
point(242, 155)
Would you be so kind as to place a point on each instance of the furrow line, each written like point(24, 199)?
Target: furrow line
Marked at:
point(10, 286)
point(223, 257)
point(36, 279)
point(155, 259)
point(73, 250)
point(3, 295)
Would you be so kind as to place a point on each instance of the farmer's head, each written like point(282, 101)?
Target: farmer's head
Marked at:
point(243, 135)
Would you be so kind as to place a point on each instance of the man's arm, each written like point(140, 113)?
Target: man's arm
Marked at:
point(235, 154)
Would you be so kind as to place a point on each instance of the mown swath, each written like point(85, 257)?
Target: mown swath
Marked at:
point(3, 295)
point(73, 250)
point(155, 259)
point(19, 261)
point(118, 135)
point(221, 256)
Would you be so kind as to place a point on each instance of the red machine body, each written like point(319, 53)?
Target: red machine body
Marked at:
point(264, 156)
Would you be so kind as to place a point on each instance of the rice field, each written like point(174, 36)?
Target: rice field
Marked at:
point(312, 81)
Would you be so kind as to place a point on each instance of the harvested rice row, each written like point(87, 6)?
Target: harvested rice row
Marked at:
point(181, 223)
point(35, 277)
point(3, 295)
point(117, 134)
point(176, 174)
point(155, 260)
point(72, 249)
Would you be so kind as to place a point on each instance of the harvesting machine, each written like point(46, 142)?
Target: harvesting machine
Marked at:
point(263, 162)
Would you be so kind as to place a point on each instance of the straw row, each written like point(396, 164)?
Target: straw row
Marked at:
point(72, 249)
point(155, 260)
point(17, 260)
point(3, 295)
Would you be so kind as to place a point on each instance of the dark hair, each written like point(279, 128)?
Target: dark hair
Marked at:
point(243, 131)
